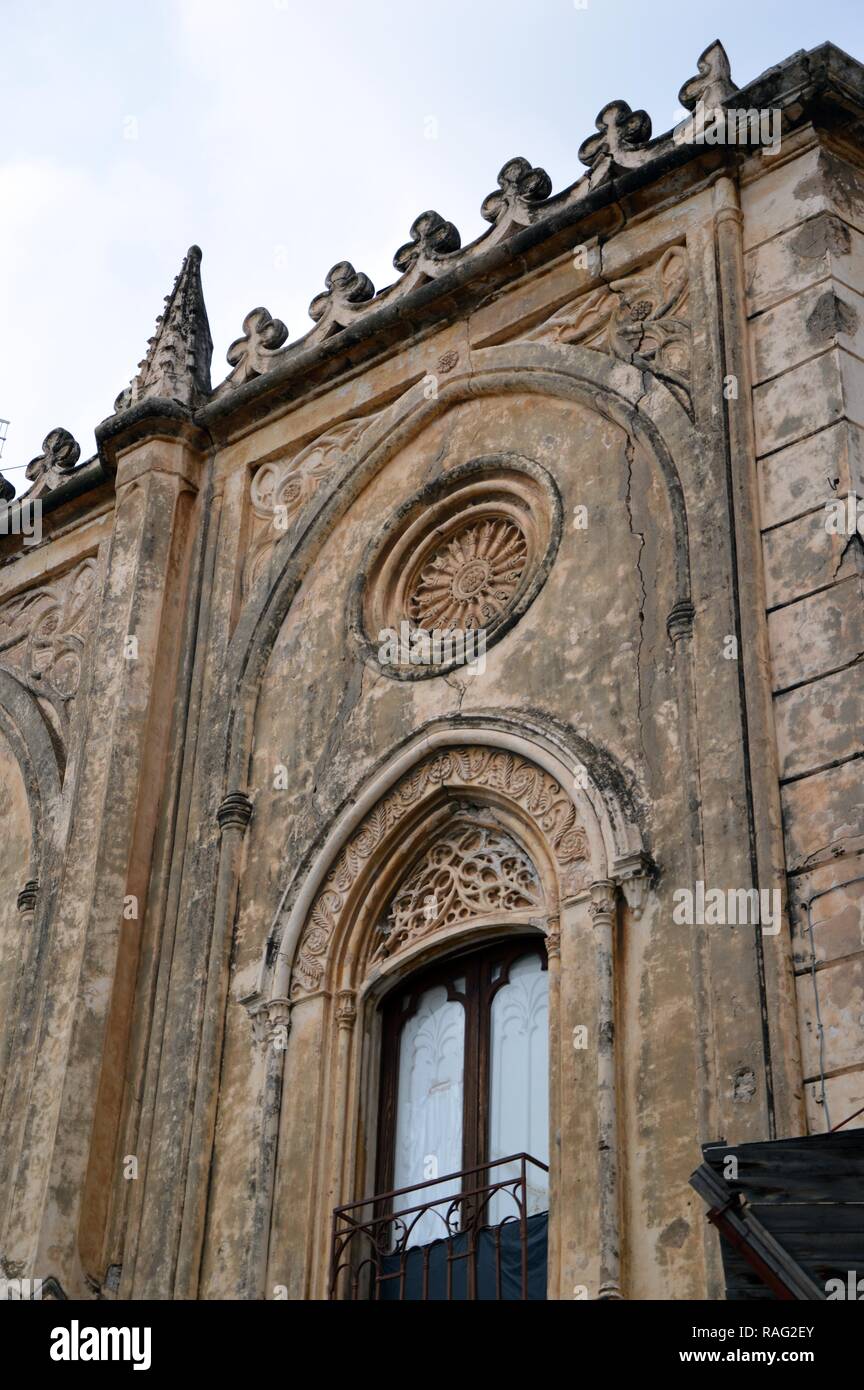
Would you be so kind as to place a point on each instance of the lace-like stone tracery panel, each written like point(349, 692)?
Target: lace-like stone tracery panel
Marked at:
point(472, 871)
point(544, 800)
point(472, 578)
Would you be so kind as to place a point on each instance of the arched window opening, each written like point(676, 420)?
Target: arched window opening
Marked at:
point(463, 1136)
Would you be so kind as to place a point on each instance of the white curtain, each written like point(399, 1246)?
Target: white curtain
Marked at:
point(429, 1108)
point(519, 1083)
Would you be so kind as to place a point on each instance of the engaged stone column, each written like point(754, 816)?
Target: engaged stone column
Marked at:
point(603, 913)
point(233, 816)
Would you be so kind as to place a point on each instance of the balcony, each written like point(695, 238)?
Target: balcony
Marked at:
point(474, 1235)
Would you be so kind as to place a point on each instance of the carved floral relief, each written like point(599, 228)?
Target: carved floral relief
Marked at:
point(281, 489)
point(642, 318)
point(533, 789)
point(43, 633)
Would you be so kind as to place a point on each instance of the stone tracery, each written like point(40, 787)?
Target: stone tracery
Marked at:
point(532, 789)
point(470, 871)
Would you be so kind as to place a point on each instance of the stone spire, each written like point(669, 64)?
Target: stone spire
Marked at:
point(177, 363)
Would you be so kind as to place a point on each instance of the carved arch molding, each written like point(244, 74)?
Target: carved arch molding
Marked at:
point(471, 869)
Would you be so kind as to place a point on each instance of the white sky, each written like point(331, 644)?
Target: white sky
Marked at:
point(285, 135)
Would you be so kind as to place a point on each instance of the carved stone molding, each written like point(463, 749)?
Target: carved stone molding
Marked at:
point(43, 633)
point(643, 318)
point(529, 787)
point(468, 872)
point(679, 624)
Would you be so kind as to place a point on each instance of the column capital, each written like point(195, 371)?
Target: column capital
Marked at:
point(346, 1009)
point(271, 1021)
point(553, 938)
point(633, 874)
point(603, 894)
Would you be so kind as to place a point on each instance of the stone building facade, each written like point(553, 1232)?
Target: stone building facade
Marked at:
point(249, 797)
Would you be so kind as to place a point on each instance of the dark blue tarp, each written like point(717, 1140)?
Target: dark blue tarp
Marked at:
point(410, 1288)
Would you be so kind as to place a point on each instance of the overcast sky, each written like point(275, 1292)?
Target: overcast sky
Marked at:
point(285, 135)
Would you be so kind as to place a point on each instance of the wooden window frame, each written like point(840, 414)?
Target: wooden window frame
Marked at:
point(477, 966)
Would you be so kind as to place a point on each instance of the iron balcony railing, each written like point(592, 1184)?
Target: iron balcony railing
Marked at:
point(475, 1239)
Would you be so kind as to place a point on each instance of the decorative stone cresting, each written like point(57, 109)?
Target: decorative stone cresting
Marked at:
point(60, 453)
point(431, 239)
point(521, 192)
point(177, 363)
point(469, 872)
point(345, 291)
point(43, 633)
point(249, 354)
point(535, 791)
point(712, 86)
point(641, 318)
point(621, 142)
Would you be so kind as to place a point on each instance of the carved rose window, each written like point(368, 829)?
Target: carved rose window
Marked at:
point(457, 566)
point(471, 579)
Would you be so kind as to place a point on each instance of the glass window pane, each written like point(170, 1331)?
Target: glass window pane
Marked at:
point(429, 1110)
point(519, 1082)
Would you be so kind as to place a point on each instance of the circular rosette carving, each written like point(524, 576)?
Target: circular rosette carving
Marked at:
point(457, 566)
point(472, 578)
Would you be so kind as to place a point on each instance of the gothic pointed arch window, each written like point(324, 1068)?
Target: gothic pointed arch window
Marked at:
point(462, 1130)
